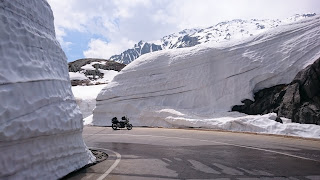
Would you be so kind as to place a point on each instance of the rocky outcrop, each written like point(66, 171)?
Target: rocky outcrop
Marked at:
point(92, 70)
point(188, 41)
point(76, 66)
point(299, 100)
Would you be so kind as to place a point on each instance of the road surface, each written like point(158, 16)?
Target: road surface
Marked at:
point(159, 153)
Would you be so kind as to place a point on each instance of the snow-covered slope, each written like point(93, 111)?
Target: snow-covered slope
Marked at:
point(40, 123)
point(139, 49)
point(197, 86)
point(86, 97)
point(225, 31)
point(219, 33)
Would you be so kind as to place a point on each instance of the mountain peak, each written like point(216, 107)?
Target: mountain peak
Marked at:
point(224, 31)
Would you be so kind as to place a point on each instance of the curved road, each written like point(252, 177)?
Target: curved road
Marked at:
point(159, 153)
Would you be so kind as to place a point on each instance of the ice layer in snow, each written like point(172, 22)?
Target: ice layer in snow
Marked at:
point(197, 86)
point(40, 123)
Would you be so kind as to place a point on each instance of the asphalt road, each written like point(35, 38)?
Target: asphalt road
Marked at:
point(159, 153)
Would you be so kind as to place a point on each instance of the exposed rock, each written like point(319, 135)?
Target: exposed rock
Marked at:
point(188, 41)
point(76, 66)
point(94, 73)
point(308, 113)
point(265, 101)
point(77, 82)
point(139, 49)
point(299, 100)
point(278, 119)
point(290, 101)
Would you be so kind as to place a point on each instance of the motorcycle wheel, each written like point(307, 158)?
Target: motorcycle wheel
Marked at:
point(114, 126)
point(129, 126)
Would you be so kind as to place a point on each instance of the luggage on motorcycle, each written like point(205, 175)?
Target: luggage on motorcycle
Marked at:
point(114, 120)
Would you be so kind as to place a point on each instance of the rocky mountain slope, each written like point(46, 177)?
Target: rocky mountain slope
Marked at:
point(139, 49)
point(219, 33)
point(91, 71)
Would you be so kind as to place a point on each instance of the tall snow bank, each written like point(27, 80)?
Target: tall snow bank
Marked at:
point(40, 123)
point(86, 97)
point(207, 80)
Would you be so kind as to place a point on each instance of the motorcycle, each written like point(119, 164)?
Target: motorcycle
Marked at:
point(121, 124)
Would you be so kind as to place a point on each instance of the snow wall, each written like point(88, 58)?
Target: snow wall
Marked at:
point(197, 86)
point(86, 97)
point(40, 123)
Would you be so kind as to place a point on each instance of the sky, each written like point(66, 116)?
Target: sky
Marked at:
point(102, 28)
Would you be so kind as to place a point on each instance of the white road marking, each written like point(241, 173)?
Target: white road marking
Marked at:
point(114, 165)
point(256, 172)
point(228, 170)
point(217, 142)
point(202, 167)
point(168, 160)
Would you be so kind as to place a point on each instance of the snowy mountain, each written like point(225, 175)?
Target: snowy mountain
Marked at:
point(40, 123)
point(219, 33)
point(91, 71)
point(139, 49)
point(198, 86)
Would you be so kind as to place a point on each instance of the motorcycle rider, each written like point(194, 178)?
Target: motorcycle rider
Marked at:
point(125, 119)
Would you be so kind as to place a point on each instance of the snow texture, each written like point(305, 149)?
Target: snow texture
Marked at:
point(40, 123)
point(86, 97)
point(197, 86)
point(77, 76)
point(227, 30)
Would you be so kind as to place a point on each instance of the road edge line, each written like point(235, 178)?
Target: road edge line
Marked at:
point(114, 165)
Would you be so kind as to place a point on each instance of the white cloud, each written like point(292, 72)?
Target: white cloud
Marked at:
point(101, 49)
point(136, 20)
point(203, 13)
point(102, 18)
point(60, 34)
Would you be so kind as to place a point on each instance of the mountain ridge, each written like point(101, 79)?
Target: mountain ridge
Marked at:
point(225, 31)
point(222, 31)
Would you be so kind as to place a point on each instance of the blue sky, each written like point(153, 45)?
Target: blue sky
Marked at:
point(78, 43)
point(101, 28)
